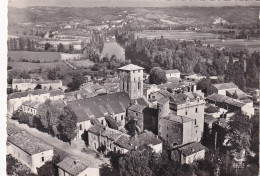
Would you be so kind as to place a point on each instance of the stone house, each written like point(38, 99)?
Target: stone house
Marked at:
point(15, 100)
point(222, 88)
point(29, 150)
point(175, 73)
point(76, 166)
point(187, 154)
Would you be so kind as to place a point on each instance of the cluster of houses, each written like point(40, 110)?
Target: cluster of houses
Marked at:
point(139, 114)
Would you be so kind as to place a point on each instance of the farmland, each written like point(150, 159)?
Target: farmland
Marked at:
point(82, 63)
point(175, 34)
point(28, 66)
point(34, 56)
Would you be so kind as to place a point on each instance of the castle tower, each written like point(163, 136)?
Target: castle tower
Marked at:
point(131, 80)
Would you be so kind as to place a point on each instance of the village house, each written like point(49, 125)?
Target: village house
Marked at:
point(190, 105)
point(222, 88)
point(15, 100)
point(117, 141)
point(178, 87)
point(31, 84)
point(76, 166)
point(231, 105)
point(188, 153)
point(173, 73)
point(106, 110)
point(29, 150)
point(148, 89)
point(30, 107)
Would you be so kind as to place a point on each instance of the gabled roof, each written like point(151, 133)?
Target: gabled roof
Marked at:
point(130, 67)
point(32, 104)
point(224, 86)
point(97, 129)
point(111, 103)
point(73, 165)
point(172, 71)
point(182, 98)
point(26, 93)
point(191, 148)
point(225, 99)
point(28, 143)
point(137, 108)
point(18, 81)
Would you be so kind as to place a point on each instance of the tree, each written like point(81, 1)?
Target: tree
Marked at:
point(22, 43)
point(230, 71)
point(47, 46)
point(71, 47)
point(157, 76)
point(77, 80)
point(204, 85)
point(60, 47)
point(239, 132)
point(52, 74)
point(49, 168)
point(68, 124)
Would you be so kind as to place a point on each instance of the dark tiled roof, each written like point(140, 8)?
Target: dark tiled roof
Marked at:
point(137, 108)
point(112, 122)
point(224, 86)
point(32, 104)
point(12, 129)
point(209, 119)
point(191, 148)
point(162, 101)
point(111, 102)
point(97, 129)
point(28, 143)
point(73, 165)
point(225, 99)
point(56, 93)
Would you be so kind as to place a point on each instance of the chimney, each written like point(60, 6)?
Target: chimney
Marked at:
point(76, 162)
point(135, 102)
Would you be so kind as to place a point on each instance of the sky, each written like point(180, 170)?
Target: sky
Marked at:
point(127, 3)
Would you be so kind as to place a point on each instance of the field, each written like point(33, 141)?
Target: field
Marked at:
point(34, 66)
point(34, 56)
point(175, 34)
point(237, 44)
point(82, 63)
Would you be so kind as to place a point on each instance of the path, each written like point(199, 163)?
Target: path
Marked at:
point(64, 148)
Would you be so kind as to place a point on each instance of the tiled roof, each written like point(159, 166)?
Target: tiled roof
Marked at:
point(165, 93)
point(209, 119)
point(225, 99)
point(74, 165)
point(112, 122)
point(181, 98)
point(130, 67)
point(26, 93)
point(176, 118)
point(137, 108)
point(112, 134)
point(56, 93)
point(111, 103)
point(12, 129)
point(224, 86)
point(97, 129)
point(18, 81)
point(172, 71)
point(163, 100)
point(32, 104)
point(28, 143)
point(191, 148)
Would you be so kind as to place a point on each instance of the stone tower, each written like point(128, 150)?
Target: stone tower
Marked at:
point(131, 80)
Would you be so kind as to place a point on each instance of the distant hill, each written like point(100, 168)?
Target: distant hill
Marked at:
point(170, 15)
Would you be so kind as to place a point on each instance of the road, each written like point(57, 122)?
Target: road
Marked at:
point(64, 148)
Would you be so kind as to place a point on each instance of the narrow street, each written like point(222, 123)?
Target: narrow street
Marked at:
point(62, 148)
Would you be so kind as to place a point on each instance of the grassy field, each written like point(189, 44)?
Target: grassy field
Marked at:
point(33, 66)
point(34, 56)
point(175, 34)
point(82, 63)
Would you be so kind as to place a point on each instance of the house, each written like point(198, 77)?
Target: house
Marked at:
point(231, 105)
point(222, 88)
point(148, 89)
point(190, 105)
point(119, 142)
point(188, 153)
point(177, 87)
point(31, 84)
point(173, 73)
point(15, 100)
point(135, 112)
point(76, 166)
point(106, 110)
point(30, 107)
point(29, 150)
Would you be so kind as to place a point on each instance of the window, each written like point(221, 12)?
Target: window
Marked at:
point(31, 110)
point(116, 118)
point(110, 146)
point(186, 112)
point(195, 121)
point(127, 86)
point(134, 79)
point(139, 85)
point(167, 135)
point(122, 117)
point(80, 127)
point(138, 71)
point(136, 114)
point(196, 110)
point(102, 122)
point(42, 159)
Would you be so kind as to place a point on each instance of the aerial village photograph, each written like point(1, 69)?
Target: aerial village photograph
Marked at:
point(132, 88)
